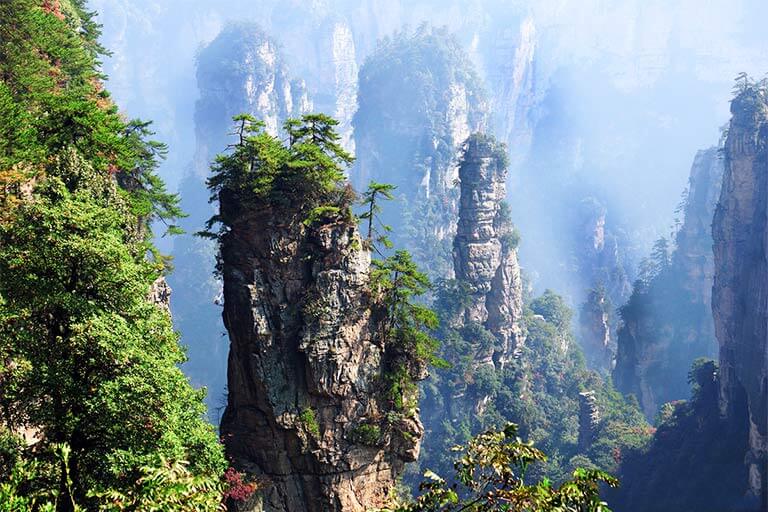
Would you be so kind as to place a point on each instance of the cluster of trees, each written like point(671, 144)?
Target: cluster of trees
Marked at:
point(95, 412)
point(490, 474)
point(539, 391)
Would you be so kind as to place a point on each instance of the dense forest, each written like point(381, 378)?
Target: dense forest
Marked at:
point(335, 311)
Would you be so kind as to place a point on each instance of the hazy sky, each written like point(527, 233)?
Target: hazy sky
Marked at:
point(640, 85)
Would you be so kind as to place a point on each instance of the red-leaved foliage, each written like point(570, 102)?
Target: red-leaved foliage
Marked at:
point(237, 489)
point(53, 7)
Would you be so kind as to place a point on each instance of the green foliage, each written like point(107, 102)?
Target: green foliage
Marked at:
point(659, 476)
point(100, 362)
point(396, 282)
point(490, 475)
point(90, 367)
point(322, 215)
point(372, 210)
point(51, 99)
point(310, 423)
point(305, 175)
point(164, 486)
point(553, 308)
point(369, 435)
point(539, 390)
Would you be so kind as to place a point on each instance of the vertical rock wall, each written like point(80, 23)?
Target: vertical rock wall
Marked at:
point(240, 71)
point(740, 292)
point(484, 252)
point(306, 366)
point(667, 323)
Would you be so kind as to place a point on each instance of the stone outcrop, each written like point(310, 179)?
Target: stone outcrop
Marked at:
point(598, 254)
point(409, 131)
point(740, 292)
point(240, 71)
point(667, 323)
point(596, 336)
point(484, 250)
point(160, 293)
point(589, 419)
point(510, 71)
point(602, 280)
point(304, 413)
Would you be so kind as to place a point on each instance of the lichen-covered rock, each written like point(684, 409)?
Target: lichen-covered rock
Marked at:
point(740, 292)
point(306, 361)
point(484, 250)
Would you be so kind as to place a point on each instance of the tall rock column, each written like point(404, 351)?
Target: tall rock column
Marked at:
point(484, 250)
point(304, 412)
point(419, 99)
point(740, 292)
point(241, 71)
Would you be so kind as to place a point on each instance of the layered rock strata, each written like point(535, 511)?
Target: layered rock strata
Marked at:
point(740, 292)
point(304, 413)
point(484, 250)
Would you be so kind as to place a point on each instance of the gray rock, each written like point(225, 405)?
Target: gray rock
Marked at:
point(306, 366)
point(740, 292)
point(484, 252)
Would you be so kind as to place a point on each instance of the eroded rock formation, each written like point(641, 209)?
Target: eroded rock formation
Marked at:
point(419, 100)
point(240, 71)
point(589, 419)
point(306, 366)
point(667, 322)
point(740, 292)
point(596, 336)
point(484, 250)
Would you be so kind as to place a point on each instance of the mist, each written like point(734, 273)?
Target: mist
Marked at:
point(633, 88)
point(601, 103)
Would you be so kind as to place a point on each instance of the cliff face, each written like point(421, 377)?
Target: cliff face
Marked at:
point(484, 250)
point(600, 265)
point(241, 71)
point(740, 292)
point(667, 323)
point(321, 46)
point(304, 366)
point(510, 51)
point(693, 251)
point(419, 100)
point(596, 333)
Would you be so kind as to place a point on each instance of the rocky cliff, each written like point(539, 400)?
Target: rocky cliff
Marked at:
point(667, 322)
point(419, 100)
point(596, 334)
point(240, 71)
point(740, 292)
point(305, 412)
point(485, 250)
